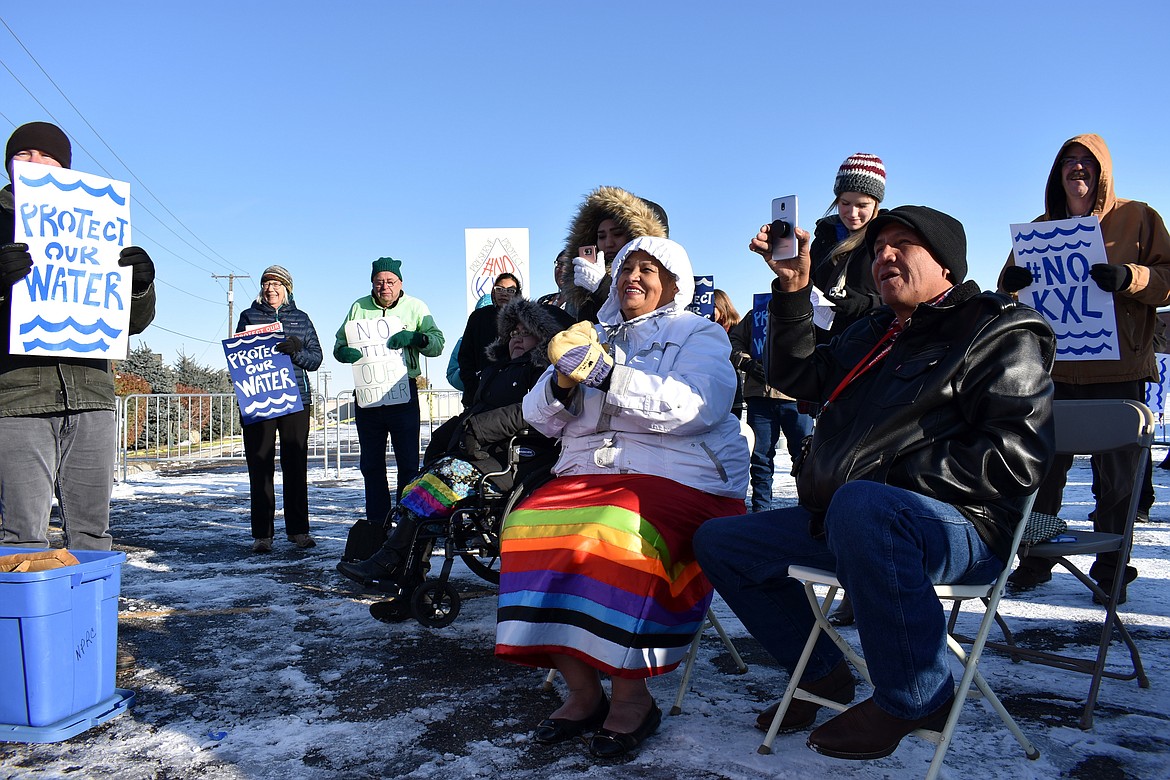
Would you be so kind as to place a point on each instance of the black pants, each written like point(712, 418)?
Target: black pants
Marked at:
point(1113, 475)
point(260, 451)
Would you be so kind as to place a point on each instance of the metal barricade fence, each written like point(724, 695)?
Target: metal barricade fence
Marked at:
point(190, 427)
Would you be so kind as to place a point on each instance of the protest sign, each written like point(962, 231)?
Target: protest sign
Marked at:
point(704, 301)
point(491, 252)
point(1059, 255)
point(76, 300)
point(1156, 391)
point(760, 303)
point(380, 377)
point(263, 378)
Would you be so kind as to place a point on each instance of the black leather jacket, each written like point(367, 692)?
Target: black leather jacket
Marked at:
point(960, 409)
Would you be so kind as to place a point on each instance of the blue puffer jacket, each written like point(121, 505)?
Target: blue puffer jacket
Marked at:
point(295, 323)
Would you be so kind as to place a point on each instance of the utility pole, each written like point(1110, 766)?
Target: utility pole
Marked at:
point(231, 294)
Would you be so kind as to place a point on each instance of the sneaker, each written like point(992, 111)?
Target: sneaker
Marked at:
point(304, 541)
point(262, 545)
point(1024, 579)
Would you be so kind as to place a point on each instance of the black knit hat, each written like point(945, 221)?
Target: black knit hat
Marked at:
point(43, 137)
point(943, 234)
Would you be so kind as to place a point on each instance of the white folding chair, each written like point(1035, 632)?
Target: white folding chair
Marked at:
point(1089, 428)
point(688, 669)
point(989, 594)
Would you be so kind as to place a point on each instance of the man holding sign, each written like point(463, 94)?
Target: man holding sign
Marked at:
point(57, 411)
point(1137, 275)
point(383, 336)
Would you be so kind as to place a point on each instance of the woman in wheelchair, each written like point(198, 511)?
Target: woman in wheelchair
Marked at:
point(467, 447)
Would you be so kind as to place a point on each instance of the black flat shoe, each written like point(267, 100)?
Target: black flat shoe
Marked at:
point(552, 731)
point(614, 744)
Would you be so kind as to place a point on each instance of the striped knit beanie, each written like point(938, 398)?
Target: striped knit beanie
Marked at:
point(862, 173)
point(278, 273)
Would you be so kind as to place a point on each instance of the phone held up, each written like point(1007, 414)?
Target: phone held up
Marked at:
point(590, 253)
point(783, 231)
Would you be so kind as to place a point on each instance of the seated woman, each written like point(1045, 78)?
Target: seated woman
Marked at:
point(597, 570)
point(477, 440)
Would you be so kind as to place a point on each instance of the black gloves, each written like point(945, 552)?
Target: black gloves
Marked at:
point(1111, 278)
point(15, 263)
point(135, 257)
point(1016, 278)
point(753, 368)
point(850, 304)
point(290, 346)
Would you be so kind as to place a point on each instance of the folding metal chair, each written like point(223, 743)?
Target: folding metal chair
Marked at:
point(1090, 428)
point(989, 594)
point(692, 654)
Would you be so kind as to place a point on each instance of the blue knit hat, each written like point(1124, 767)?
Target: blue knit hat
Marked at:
point(387, 264)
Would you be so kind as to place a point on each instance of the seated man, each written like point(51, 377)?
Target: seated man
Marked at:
point(935, 427)
point(476, 442)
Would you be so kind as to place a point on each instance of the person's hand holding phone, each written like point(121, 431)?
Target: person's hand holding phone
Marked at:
point(793, 273)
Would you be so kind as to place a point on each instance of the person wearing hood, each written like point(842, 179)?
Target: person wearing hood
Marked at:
point(400, 423)
point(935, 428)
point(477, 440)
point(607, 218)
point(275, 304)
point(1080, 184)
point(58, 413)
point(597, 570)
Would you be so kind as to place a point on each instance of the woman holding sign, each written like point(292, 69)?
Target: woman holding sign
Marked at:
point(275, 304)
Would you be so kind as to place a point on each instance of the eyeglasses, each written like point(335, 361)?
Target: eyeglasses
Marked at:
point(387, 282)
point(505, 290)
point(1084, 162)
point(270, 284)
point(520, 333)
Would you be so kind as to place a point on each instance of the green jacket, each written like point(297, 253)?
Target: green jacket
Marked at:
point(413, 314)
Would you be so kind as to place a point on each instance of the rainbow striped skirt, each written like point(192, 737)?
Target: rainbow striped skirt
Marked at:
point(601, 568)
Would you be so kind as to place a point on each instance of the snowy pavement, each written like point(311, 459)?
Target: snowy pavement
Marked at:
point(269, 666)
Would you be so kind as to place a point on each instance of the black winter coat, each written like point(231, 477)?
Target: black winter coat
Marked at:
point(854, 275)
point(295, 323)
point(960, 409)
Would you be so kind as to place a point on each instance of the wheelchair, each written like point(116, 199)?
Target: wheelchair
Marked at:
point(471, 534)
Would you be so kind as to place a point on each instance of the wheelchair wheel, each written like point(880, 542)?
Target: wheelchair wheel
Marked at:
point(435, 605)
point(486, 564)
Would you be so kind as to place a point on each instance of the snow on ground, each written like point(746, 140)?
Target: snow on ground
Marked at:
point(269, 666)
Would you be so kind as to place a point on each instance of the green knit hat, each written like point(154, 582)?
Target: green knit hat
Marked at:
point(386, 264)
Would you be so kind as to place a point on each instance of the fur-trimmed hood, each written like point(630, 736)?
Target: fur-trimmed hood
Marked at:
point(638, 216)
point(539, 318)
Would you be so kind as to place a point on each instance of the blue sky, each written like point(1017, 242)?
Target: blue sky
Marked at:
point(263, 132)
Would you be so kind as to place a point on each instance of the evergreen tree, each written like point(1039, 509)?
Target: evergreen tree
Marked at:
point(148, 365)
point(206, 378)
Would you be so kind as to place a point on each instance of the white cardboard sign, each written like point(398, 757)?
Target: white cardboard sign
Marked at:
point(380, 377)
point(1059, 254)
point(76, 300)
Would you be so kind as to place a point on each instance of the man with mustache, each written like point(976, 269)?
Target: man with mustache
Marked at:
point(1138, 274)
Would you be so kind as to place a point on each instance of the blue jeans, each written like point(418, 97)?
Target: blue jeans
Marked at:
point(71, 455)
point(888, 547)
point(400, 423)
point(767, 417)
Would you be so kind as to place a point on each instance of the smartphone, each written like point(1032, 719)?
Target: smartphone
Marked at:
point(784, 244)
point(588, 252)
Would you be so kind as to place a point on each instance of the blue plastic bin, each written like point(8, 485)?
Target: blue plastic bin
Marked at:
point(58, 648)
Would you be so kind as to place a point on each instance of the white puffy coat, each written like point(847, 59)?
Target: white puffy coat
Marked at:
point(668, 409)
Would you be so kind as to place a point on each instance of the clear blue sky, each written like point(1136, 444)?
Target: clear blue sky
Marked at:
point(322, 136)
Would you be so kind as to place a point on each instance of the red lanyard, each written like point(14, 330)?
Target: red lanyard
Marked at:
point(885, 343)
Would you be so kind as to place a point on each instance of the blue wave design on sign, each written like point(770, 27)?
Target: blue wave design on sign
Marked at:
point(1051, 248)
point(1087, 349)
point(69, 322)
point(48, 178)
point(1099, 334)
point(1080, 226)
point(233, 343)
point(256, 407)
point(76, 346)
